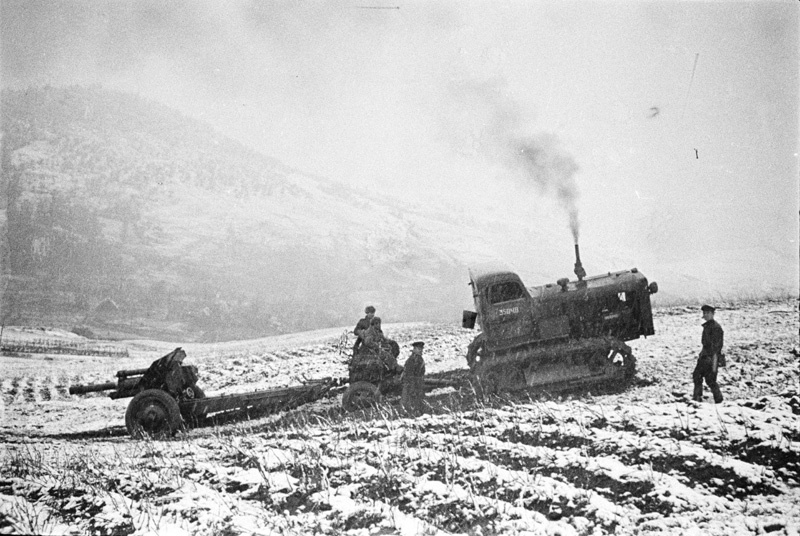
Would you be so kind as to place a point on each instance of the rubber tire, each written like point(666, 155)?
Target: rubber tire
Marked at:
point(360, 395)
point(153, 413)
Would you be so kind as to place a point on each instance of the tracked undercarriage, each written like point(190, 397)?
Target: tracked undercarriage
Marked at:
point(601, 360)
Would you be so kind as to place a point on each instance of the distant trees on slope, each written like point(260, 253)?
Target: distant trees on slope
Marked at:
point(91, 180)
point(128, 140)
point(82, 169)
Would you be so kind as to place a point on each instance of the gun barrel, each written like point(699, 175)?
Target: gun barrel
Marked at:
point(134, 372)
point(93, 388)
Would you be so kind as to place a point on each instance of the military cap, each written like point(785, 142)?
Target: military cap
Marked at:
point(369, 309)
point(706, 308)
point(418, 344)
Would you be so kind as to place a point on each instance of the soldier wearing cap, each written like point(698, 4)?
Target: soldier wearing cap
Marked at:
point(362, 326)
point(413, 378)
point(376, 342)
point(373, 336)
point(710, 355)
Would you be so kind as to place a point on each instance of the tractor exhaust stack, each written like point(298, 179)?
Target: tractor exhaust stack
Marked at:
point(579, 271)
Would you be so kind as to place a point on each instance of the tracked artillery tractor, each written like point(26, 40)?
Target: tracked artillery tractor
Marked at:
point(556, 336)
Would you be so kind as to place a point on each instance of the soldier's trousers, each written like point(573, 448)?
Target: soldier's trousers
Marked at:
point(705, 371)
point(413, 395)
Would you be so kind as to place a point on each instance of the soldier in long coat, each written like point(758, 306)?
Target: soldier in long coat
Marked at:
point(413, 378)
point(710, 355)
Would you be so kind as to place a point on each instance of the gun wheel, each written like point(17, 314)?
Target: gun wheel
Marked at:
point(360, 395)
point(153, 413)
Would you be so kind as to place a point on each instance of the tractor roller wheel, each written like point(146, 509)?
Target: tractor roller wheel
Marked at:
point(475, 352)
point(630, 366)
point(360, 395)
point(486, 384)
point(628, 360)
point(153, 413)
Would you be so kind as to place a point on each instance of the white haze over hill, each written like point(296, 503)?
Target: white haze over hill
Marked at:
point(654, 130)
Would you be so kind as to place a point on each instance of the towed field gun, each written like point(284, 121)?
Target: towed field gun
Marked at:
point(166, 396)
point(558, 335)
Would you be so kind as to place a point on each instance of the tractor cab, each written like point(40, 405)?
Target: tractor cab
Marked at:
point(511, 314)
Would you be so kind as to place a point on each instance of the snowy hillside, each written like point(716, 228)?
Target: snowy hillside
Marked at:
point(192, 236)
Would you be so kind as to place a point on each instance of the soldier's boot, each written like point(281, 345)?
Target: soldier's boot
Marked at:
point(711, 381)
point(717, 393)
point(407, 402)
point(697, 396)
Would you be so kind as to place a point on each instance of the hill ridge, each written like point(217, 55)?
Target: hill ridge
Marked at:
point(110, 195)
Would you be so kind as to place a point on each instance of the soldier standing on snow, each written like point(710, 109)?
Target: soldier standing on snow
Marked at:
point(710, 356)
point(362, 327)
point(414, 381)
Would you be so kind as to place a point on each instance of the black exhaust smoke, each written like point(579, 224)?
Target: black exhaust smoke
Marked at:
point(579, 271)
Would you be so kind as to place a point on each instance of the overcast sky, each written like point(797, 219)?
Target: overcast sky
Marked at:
point(685, 111)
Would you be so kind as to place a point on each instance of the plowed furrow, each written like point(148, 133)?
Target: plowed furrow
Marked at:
point(454, 492)
point(32, 390)
point(8, 390)
point(20, 388)
point(629, 485)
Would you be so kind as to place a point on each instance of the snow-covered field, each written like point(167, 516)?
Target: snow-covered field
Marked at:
point(641, 461)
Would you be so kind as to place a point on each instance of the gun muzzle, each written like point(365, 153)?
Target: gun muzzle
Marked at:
point(579, 271)
point(95, 388)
